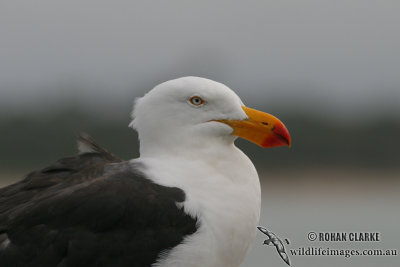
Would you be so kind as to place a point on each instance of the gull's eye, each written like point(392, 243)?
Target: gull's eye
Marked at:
point(196, 101)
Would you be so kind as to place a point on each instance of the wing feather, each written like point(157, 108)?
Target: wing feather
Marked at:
point(90, 210)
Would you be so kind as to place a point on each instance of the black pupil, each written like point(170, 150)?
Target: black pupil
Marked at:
point(197, 100)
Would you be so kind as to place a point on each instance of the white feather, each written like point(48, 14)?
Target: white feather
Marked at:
point(181, 146)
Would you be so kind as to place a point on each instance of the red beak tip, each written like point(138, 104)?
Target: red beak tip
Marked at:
point(281, 137)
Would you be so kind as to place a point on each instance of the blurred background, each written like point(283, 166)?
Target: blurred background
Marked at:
point(330, 70)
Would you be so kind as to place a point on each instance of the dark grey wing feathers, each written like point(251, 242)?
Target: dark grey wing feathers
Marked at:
point(90, 210)
point(86, 144)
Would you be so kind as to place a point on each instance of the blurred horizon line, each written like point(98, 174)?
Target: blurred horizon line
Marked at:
point(119, 101)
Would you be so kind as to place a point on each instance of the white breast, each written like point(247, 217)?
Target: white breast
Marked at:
point(223, 192)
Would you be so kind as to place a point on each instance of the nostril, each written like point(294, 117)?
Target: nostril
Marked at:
point(265, 123)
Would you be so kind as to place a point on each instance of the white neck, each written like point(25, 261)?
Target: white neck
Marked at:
point(222, 190)
point(203, 141)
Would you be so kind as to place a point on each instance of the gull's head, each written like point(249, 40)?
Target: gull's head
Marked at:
point(193, 112)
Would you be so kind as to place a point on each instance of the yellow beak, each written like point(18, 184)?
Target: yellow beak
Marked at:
point(260, 128)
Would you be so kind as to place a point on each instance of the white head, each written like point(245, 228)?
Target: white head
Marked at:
point(189, 113)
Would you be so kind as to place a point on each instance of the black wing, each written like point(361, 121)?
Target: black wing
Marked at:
point(89, 210)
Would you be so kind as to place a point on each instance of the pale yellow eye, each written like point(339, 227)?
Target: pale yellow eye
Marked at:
point(196, 101)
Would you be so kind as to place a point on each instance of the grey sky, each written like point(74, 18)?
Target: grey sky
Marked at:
point(342, 52)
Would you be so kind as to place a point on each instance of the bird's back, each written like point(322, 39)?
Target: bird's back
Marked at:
point(89, 210)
